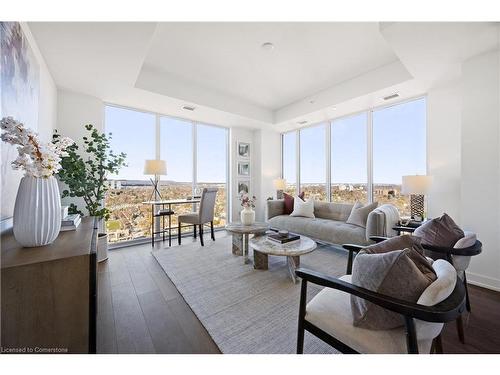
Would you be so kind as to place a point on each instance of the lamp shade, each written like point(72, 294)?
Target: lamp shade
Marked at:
point(279, 183)
point(155, 167)
point(416, 184)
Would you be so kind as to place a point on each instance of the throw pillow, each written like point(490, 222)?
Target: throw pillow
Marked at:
point(359, 214)
point(304, 209)
point(441, 231)
point(289, 202)
point(395, 243)
point(402, 274)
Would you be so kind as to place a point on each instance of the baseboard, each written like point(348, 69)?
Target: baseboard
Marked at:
point(483, 281)
point(6, 224)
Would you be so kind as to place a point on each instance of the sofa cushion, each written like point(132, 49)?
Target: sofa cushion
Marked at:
point(441, 231)
point(403, 274)
point(331, 231)
point(304, 209)
point(332, 211)
point(330, 311)
point(359, 214)
point(289, 202)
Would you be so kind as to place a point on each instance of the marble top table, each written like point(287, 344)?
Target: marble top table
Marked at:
point(262, 248)
point(241, 234)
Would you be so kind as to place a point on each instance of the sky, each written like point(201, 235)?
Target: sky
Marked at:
point(133, 132)
point(399, 147)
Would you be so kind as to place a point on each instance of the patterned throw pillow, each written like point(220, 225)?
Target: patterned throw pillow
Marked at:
point(289, 202)
point(402, 274)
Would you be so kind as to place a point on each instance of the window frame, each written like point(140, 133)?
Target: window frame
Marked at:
point(369, 147)
point(194, 127)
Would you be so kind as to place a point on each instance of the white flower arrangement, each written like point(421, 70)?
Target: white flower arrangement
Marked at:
point(38, 159)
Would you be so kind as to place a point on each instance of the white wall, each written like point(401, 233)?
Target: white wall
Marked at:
point(444, 115)
point(73, 112)
point(267, 167)
point(480, 195)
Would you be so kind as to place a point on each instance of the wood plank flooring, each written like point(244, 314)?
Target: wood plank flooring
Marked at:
point(141, 311)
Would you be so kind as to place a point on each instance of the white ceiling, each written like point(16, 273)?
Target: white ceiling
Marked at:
point(222, 70)
point(228, 58)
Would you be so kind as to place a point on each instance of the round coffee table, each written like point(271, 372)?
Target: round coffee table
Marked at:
point(262, 248)
point(241, 234)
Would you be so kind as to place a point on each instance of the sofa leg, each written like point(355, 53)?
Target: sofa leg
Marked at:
point(212, 230)
point(179, 232)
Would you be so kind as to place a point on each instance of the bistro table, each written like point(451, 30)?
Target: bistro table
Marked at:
point(241, 233)
point(162, 213)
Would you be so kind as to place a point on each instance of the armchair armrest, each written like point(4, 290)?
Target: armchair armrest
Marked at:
point(378, 239)
point(446, 311)
point(352, 249)
point(465, 251)
point(275, 208)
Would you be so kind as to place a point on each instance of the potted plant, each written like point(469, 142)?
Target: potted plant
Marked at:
point(86, 175)
point(248, 204)
point(37, 211)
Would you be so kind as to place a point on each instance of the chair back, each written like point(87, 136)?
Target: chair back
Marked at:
point(207, 205)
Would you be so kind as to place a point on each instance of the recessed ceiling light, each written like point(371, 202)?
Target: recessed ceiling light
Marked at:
point(334, 108)
point(392, 96)
point(311, 101)
point(267, 46)
point(303, 122)
point(188, 107)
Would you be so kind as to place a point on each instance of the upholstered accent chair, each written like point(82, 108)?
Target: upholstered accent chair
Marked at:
point(329, 316)
point(459, 256)
point(204, 215)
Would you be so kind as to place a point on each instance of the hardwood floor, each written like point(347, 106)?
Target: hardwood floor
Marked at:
point(141, 311)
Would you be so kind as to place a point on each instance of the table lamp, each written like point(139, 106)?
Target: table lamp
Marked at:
point(416, 186)
point(155, 168)
point(279, 185)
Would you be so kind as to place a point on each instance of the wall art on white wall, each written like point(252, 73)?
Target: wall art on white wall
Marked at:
point(243, 186)
point(244, 150)
point(244, 168)
point(19, 85)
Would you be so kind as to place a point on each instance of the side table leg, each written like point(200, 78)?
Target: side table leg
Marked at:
point(293, 264)
point(260, 260)
point(245, 248)
point(237, 244)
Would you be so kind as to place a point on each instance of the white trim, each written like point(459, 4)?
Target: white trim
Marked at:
point(328, 148)
point(369, 156)
point(483, 281)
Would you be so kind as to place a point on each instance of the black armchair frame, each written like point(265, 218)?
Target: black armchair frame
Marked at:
point(447, 252)
point(446, 311)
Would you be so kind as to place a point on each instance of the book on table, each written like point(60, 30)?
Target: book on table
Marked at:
point(290, 237)
point(70, 222)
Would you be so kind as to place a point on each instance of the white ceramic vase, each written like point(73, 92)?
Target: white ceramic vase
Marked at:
point(37, 211)
point(247, 216)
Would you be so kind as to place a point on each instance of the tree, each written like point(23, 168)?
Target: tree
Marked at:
point(86, 178)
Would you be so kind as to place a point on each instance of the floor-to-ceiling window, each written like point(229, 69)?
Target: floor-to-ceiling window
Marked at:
point(369, 154)
point(289, 161)
point(399, 148)
point(313, 162)
point(211, 155)
point(349, 177)
point(176, 148)
point(134, 133)
point(143, 136)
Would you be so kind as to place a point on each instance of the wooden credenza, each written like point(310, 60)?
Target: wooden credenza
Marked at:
point(49, 293)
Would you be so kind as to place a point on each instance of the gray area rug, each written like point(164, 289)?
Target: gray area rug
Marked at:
point(245, 310)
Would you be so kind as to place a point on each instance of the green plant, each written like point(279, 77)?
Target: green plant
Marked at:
point(86, 178)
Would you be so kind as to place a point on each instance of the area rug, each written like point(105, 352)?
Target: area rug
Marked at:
point(246, 310)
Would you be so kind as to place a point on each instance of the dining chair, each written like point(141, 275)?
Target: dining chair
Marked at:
point(204, 215)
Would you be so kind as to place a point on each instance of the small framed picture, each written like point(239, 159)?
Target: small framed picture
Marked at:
point(243, 168)
point(243, 150)
point(243, 186)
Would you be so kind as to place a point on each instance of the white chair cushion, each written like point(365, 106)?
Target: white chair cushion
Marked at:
point(461, 262)
point(330, 310)
point(304, 209)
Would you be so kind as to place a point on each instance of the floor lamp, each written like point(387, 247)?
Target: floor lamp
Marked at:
point(416, 186)
point(155, 168)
